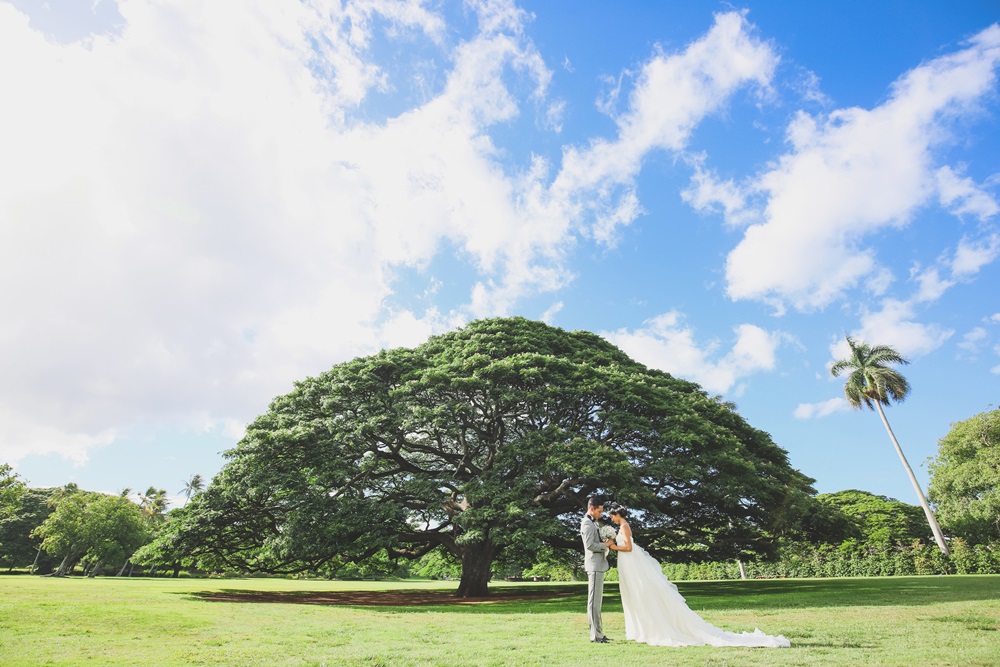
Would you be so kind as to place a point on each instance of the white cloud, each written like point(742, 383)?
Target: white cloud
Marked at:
point(853, 173)
point(879, 281)
point(971, 256)
point(708, 194)
point(196, 219)
point(972, 341)
point(198, 214)
point(405, 329)
point(821, 409)
point(894, 324)
point(931, 285)
point(964, 196)
point(672, 95)
point(24, 436)
point(665, 343)
point(550, 313)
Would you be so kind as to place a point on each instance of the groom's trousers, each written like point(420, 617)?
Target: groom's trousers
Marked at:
point(595, 595)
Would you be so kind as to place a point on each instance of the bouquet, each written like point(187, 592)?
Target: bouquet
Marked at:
point(606, 533)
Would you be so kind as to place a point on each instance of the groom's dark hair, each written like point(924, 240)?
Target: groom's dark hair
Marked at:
point(595, 501)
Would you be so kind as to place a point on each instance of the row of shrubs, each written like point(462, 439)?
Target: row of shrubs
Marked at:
point(852, 559)
point(849, 559)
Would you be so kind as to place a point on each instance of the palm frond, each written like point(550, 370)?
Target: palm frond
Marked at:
point(870, 378)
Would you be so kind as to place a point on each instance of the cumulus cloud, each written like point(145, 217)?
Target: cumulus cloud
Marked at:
point(708, 194)
point(200, 205)
point(821, 409)
point(664, 342)
point(972, 255)
point(197, 217)
point(963, 196)
point(672, 95)
point(895, 323)
point(854, 172)
point(973, 340)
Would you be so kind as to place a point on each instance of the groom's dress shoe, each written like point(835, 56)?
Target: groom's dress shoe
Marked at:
point(602, 640)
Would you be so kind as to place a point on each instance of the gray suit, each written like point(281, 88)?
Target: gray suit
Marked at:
point(595, 562)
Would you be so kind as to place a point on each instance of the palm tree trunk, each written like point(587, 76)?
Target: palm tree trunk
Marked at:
point(938, 536)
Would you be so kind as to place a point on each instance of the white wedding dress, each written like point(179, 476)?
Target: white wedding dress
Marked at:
point(656, 613)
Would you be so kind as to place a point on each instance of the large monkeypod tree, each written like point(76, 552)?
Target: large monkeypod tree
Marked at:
point(485, 442)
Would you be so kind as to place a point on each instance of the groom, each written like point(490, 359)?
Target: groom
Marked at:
point(596, 564)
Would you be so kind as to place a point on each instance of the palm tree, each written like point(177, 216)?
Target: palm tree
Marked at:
point(153, 504)
point(871, 384)
point(193, 486)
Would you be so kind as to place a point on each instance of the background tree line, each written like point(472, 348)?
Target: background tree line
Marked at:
point(55, 530)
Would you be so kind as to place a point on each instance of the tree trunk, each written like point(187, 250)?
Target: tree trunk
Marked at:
point(177, 569)
point(67, 564)
point(743, 572)
point(938, 535)
point(477, 561)
point(34, 565)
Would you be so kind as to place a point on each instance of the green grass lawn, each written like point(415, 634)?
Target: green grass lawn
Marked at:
point(160, 622)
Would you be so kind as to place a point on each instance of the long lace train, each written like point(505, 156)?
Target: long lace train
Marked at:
point(656, 613)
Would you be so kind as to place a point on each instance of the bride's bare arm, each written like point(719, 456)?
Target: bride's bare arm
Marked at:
point(626, 530)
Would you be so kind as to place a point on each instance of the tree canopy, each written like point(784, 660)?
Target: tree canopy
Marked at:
point(485, 442)
point(965, 478)
point(878, 519)
point(11, 489)
point(17, 547)
point(98, 528)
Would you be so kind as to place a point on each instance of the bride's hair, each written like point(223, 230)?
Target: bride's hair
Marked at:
point(619, 509)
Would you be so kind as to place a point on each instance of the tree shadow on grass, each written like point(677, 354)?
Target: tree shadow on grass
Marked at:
point(513, 599)
point(771, 594)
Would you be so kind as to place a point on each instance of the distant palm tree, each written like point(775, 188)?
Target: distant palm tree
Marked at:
point(153, 504)
point(193, 486)
point(871, 384)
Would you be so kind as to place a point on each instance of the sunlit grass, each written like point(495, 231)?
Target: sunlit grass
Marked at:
point(892, 621)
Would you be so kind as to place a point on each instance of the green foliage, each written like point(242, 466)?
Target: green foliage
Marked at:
point(878, 520)
point(17, 546)
point(965, 478)
point(975, 558)
point(193, 486)
point(95, 528)
point(436, 564)
point(165, 549)
point(886, 538)
point(485, 442)
point(11, 489)
point(153, 504)
point(871, 380)
point(853, 558)
point(556, 565)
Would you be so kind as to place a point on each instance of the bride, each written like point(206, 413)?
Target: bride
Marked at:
point(655, 613)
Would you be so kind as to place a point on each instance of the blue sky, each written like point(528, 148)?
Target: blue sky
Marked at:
point(204, 202)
